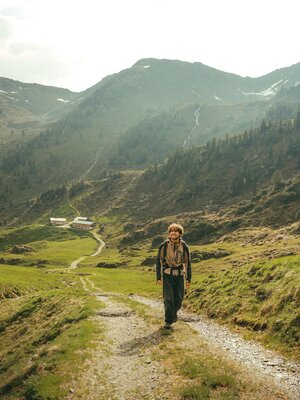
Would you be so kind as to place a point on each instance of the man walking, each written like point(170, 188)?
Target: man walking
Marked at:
point(173, 264)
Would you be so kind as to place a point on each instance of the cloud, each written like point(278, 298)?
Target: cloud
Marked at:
point(75, 44)
point(16, 13)
point(17, 9)
point(31, 62)
point(6, 29)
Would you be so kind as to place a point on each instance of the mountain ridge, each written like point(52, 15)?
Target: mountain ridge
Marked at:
point(86, 134)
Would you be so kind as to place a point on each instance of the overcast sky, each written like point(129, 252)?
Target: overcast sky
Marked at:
point(75, 43)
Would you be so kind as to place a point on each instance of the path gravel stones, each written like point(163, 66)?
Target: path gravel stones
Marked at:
point(250, 354)
point(122, 366)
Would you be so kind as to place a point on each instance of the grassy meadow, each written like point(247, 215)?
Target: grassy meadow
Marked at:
point(45, 327)
point(46, 330)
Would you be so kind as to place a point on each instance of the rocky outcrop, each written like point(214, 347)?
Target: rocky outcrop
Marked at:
point(21, 249)
point(197, 255)
point(149, 261)
point(110, 265)
point(10, 261)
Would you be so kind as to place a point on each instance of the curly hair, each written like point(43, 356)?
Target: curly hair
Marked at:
point(176, 227)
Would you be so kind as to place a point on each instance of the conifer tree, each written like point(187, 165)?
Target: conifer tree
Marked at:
point(277, 179)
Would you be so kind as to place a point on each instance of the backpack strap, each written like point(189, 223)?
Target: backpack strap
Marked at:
point(165, 245)
point(163, 248)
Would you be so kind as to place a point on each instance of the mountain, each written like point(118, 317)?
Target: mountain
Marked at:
point(220, 173)
point(26, 107)
point(250, 179)
point(129, 120)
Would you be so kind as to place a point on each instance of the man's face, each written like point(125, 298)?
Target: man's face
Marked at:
point(174, 234)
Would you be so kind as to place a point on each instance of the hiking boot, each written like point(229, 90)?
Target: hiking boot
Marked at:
point(167, 326)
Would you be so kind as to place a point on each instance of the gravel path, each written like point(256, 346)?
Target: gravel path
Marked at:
point(100, 247)
point(130, 350)
point(123, 367)
point(250, 354)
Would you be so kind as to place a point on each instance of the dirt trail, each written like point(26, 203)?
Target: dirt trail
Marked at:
point(250, 354)
point(101, 245)
point(122, 367)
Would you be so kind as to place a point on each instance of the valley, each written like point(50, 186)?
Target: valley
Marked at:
point(104, 305)
point(162, 141)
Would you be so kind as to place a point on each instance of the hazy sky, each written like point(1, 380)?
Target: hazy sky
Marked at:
point(75, 43)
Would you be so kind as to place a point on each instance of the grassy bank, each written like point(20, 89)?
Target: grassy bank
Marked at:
point(48, 245)
point(45, 332)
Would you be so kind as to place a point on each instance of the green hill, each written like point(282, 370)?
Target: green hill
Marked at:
point(220, 173)
point(128, 120)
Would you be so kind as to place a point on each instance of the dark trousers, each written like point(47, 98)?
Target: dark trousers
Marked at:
point(173, 292)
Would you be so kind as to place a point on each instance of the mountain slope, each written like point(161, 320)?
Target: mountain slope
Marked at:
point(26, 107)
point(253, 178)
point(220, 173)
point(129, 115)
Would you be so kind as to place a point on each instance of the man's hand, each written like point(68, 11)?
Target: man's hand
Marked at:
point(187, 285)
point(159, 282)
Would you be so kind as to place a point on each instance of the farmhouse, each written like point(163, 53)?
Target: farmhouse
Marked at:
point(82, 223)
point(57, 221)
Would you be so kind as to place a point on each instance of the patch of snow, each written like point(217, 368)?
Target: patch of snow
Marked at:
point(2, 91)
point(218, 98)
point(62, 100)
point(271, 91)
point(147, 66)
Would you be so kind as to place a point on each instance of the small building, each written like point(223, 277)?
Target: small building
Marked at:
point(82, 223)
point(57, 221)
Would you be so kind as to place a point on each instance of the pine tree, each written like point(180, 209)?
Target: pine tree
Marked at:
point(277, 179)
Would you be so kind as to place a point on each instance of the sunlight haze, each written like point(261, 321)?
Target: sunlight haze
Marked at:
point(74, 44)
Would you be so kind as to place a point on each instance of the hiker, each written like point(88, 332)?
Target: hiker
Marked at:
point(173, 264)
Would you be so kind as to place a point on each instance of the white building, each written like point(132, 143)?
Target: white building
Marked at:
point(57, 221)
point(82, 223)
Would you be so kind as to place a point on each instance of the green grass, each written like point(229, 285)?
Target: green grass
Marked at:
point(20, 280)
point(54, 246)
point(246, 290)
point(208, 376)
point(131, 257)
point(126, 281)
point(33, 233)
point(199, 372)
point(43, 332)
point(262, 297)
point(45, 335)
point(62, 253)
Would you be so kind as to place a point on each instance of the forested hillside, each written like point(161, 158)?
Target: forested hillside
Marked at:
point(223, 171)
point(135, 120)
